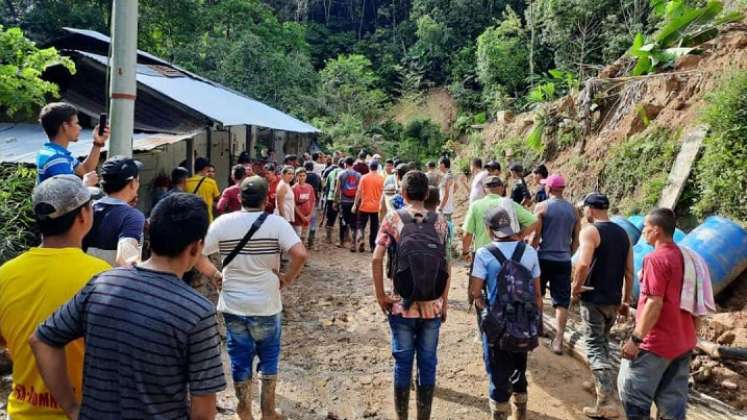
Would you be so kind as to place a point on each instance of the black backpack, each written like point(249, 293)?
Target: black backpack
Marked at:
point(418, 264)
point(513, 323)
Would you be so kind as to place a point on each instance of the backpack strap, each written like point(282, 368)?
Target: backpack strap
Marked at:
point(519, 251)
point(199, 184)
point(431, 218)
point(405, 216)
point(497, 254)
point(255, 227)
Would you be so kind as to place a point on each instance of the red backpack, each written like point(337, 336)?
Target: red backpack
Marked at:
point(349, 185)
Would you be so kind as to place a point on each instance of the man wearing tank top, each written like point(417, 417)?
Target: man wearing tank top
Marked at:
point(556, 239)
point(603, 280)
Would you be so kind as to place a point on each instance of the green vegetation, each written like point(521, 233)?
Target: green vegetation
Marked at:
point(17, 232)
point(721, 173)
point(21, 66)
point(683, 27)
point(636, 170)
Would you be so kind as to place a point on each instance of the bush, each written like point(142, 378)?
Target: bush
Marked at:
point(636, 170)
point(17, 227)
point(721, 174)
point(502, 56)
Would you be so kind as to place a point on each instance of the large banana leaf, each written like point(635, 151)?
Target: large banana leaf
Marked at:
point(672, 31)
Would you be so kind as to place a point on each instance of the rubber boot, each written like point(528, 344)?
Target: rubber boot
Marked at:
point(425, 401)
point(605, 407)
point(312, 237)
point(244, 395)
point(267, 398)
point(499, 411)
point(401, 402)
point(519, 406)
point(328, 234)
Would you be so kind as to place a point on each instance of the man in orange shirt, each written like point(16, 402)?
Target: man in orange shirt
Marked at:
point(367, 202)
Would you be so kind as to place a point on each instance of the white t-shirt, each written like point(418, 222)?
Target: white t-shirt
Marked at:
point(250, 288)
point(477, 190)
point(319, 168)
point(445, 179)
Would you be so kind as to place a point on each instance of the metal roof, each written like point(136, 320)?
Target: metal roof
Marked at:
point(19, 142)
point(211, 99)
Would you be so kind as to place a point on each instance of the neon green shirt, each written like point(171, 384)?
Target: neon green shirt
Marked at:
point(475, 224)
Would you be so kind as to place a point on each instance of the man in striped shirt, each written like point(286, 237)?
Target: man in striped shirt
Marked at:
point(250, 296)
point(152, 348)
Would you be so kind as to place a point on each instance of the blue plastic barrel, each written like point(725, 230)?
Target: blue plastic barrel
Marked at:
point(637, 221)
point(723, 245)
point(633, 232)
point(679, 236)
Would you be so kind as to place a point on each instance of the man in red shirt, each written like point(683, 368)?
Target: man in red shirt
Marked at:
point(230, 200)
point(656, 358)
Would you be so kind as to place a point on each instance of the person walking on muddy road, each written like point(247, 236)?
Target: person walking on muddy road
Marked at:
point(204, 186)
point(556, 239)
point(305, 202)
point(416, 241)
point(506, 357)
point(285, 200)
point(656, 358)
point(346, 190)
point(603, 281)
point(477, 190)
point(230, 199)
point(249, 242)
point(332, 205)
point(367, 205)
point(152, 347)
point(37, 282)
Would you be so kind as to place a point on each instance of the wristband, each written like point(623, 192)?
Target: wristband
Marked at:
point(99, 144)
point(636, 340)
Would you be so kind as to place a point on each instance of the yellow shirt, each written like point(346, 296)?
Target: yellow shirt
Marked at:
point(32, 286)
point(208, 191)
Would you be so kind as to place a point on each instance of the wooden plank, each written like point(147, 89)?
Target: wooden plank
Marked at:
point(682, 167)
point(700, 406)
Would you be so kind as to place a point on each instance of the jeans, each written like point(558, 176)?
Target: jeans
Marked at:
point(507, 372)
point(363, 218)
point(411, 336)
point(598, 320)
point(250, 336)
point(348, 220)
point(314, 217)
point(652, 379)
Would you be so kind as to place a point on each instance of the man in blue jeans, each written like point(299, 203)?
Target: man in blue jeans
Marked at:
point(506, 370)
point(250, 296)
point(415, 328)
point(656, 358)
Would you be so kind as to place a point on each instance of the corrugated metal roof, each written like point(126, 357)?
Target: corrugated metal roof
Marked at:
point(20, 142)
point(216, 102)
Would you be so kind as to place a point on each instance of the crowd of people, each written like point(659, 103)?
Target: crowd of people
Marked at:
point(97, 331)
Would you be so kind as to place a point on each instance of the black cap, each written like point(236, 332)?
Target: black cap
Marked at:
point(597, 200)
point(493, 165)
point(492, 181)
point(499, 222)
point(517, 167)
point(254, 187)
point(120, 168)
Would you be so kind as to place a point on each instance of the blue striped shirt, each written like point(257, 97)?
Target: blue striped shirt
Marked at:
point(150, 340)
point(54, 159)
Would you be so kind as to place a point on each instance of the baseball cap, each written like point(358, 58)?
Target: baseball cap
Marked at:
point(499, 222)
point(120, 168)
point(254, 187)
point(58, 196)
point(555, 181)
point(493, 165)
point(516, 167)
point(492, 181)
point(597, 200)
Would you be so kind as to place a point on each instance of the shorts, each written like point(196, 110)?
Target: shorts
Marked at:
point(558, 274)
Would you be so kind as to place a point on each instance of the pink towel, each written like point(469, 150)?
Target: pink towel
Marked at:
point(697, 290)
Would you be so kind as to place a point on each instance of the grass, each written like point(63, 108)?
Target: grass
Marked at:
point(17, 227)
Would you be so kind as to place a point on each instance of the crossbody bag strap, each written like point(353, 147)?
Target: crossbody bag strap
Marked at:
point(255, 227)
point(197, 188)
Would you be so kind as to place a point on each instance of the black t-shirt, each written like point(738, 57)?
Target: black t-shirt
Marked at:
point(520, 192)
point(313, 179)
point(608, 267)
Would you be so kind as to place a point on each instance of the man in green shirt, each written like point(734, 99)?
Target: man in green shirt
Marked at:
point(475, 233)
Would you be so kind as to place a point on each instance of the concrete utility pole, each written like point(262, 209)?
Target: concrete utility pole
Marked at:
point(123, 68)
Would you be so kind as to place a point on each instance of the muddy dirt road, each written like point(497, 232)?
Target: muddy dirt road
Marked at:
point(336, 360)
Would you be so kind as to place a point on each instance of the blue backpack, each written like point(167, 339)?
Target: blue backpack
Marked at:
point(513, 322)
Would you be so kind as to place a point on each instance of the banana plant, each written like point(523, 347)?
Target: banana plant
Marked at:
point(683, 28)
